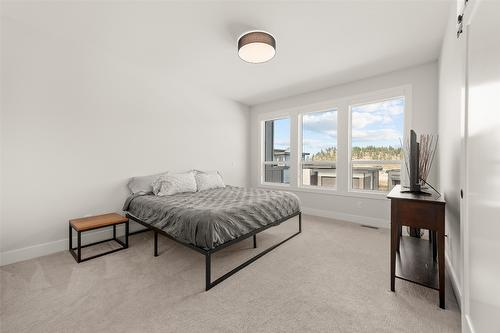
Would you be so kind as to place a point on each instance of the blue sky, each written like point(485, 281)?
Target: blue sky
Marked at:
point(282, 133)
point(376, 124)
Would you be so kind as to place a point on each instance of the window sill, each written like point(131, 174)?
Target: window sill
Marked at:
point(369, 194)
point(330, 192)
point(275, 185)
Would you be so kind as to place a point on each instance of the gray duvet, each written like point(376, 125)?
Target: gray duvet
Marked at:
point(210, 218)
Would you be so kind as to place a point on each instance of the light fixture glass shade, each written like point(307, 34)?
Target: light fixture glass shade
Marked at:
point(256, 47)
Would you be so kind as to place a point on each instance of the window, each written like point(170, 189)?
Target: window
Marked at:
point(347, 146)
point(277, 151)
point(376, 130)
point(319, 149)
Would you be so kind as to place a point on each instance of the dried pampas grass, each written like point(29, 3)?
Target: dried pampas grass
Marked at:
point(427, 146)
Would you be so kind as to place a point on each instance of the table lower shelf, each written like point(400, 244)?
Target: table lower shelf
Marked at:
point(415, 263)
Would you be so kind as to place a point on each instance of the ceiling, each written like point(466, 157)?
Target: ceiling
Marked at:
point(319, 44)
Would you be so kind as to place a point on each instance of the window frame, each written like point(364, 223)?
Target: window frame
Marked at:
point(263, 161)
point(376, 97)
point(342, 105)
point(300, 179)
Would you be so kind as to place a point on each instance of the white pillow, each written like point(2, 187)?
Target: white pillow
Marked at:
point(143, 184)
point(173, 183)
point(208, 180)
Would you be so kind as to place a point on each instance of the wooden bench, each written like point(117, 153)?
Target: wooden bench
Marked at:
point(96, 222)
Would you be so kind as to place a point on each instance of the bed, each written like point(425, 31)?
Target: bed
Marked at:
point(208, 221)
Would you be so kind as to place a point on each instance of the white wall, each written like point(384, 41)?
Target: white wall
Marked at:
point(451, 89)
point(374, 211)
point(79, 121)
point(482, 199)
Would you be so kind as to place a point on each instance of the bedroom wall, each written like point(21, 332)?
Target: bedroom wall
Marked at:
point(451, 88)
point(371, 211)
point(79, 121)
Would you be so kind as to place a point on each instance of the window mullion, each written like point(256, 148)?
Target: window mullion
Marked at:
point(294, 150)
point(343, 145)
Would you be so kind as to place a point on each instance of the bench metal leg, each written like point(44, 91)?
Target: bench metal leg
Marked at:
point(79, 246)
point(254, 241)
point(126, 234)
point(70, 237)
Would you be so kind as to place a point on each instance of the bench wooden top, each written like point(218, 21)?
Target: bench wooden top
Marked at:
point(92, 222)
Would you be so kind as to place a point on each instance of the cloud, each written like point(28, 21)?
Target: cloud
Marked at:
point(321, 122)
point(383, 113)
point(376, 123)
point(364, 119)
point(383, 134)
point(392, 107)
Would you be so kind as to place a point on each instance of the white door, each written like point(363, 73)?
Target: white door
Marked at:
point(482, 242)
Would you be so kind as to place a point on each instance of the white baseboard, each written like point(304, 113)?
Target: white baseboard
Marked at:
point(359, 219)
point(30, 252)
point(34, 251)
point(9, 257)
point(454, 280)
point(468, 327)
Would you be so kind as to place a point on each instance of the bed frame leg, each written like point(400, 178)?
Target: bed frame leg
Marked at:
point(300, 222)
point(254, 241)
point(156, 244)
point(208, 275)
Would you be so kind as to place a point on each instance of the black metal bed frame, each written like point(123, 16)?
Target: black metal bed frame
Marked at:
point(208, 253)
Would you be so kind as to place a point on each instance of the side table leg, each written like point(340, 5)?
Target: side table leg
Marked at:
point(394, 242)
point(400, 234)
point(434, 245)
point(441, 269)
point(393, 256)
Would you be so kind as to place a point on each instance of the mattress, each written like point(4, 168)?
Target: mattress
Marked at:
point(213, 217)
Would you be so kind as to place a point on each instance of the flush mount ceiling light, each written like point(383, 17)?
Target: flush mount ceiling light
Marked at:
point(256, 47)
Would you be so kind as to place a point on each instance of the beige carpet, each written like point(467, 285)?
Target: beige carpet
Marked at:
point(334, 277)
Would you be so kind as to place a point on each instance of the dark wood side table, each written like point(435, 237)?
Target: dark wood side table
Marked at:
point(412, 259)
point(95, 222)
